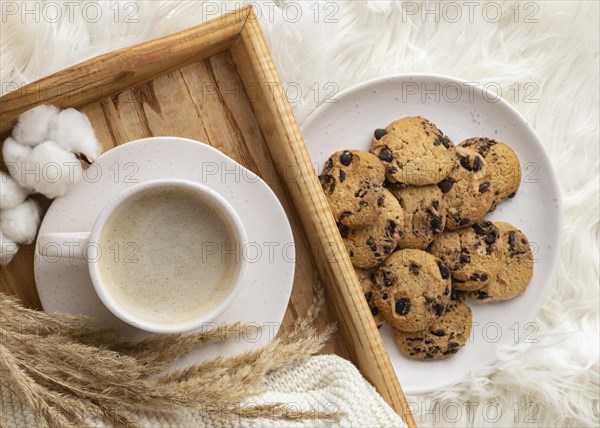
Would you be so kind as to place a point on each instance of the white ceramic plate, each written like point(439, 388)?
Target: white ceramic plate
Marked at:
point(65, 285)
point(461, 111)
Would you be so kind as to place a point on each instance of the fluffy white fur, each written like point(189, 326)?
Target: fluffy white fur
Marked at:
point(20, 224)
point(33, 126)
point(11, 193)
point(550, 383)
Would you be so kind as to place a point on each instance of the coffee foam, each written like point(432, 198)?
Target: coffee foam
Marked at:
point(168, 255)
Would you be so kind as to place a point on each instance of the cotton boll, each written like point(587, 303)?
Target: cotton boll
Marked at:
point(8, 249)
point(33, 125)
point(20, 224)
point(11, 193)
point(73, 131)
point(48, 169)
point(13, 151)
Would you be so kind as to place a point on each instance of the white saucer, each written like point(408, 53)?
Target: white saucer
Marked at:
point(65, 285)
point(461, 111)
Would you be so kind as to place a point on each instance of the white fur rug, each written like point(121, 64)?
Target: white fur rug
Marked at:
point(552, 46)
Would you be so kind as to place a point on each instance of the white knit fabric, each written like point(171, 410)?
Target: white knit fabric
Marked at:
point(321, 384)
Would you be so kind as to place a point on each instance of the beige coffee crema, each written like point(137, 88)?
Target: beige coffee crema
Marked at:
point(168, 255)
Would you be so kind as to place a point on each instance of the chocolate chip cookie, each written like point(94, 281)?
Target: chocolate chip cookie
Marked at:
point(413, 151)
point(372, 244)
point(473, 254)
point(412, 289)
point(442, 339)
point(466, 190)
point(424, 214)
point(503, 164)
point(516, 269)
point(367, 282)
point(352, 181)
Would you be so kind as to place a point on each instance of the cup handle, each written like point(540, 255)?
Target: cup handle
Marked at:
point(71, 245)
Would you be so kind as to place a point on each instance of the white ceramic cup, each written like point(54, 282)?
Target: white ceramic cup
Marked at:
point(55, 245)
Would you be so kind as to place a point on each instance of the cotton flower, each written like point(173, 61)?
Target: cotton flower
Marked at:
point(12, 152)
point(8, 249)
point(47, 169)
point(47, 147)
point(33, 125)
point(20, 224)
point(73, 131)
point(11, 193)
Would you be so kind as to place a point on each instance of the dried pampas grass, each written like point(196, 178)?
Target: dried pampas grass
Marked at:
point(71, 373)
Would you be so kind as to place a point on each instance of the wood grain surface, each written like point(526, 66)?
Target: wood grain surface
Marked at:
point(216, 83)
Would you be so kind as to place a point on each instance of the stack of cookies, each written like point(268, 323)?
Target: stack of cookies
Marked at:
point(411, 215)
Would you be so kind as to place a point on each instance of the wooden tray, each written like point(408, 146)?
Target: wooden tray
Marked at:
point(217, 83)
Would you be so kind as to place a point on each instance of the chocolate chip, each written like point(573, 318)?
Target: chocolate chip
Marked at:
point(386, 155)
point(380, 201)
point(391, 228)
point(379, 132)
point(371, 244)
point(446, 291)
point(484, 277)
point(464, 256)
point(480, 228)
point(463, 222)
point(384, 296)
point(346, 158)
point(452, 345)
point(442, 139)
point(439, 309)
point(363, 204)
point(343, 230)
point(327, 183)
point(374, 310)
point(482, 294)
point(414, 269)
point(360, 193)
point(436, 224)
point(435, 205)
point(512, 195)
point(387, 249)
point(477, 164)
point(475, 277)
point(392, 170)
point(445, 185)
point(511, 241)
point(438, 333)
point(484, 187)
point(345, 214)
point(465, 162)
point(342, 175)
point(402, 306)
point(444, 271)
point(368, 296)
point(490, 238)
